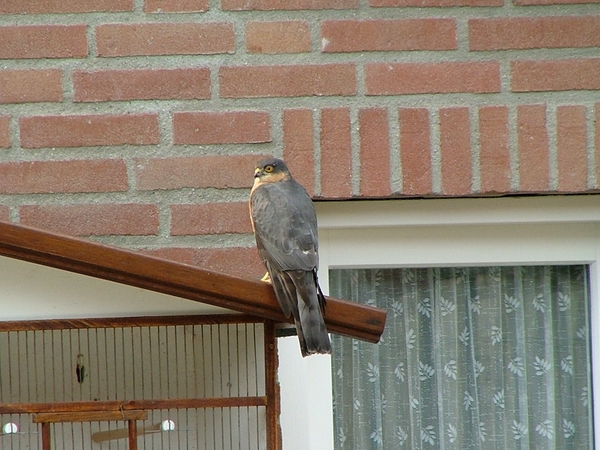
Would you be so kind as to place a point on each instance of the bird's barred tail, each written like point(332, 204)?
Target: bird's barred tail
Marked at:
point(312, 332)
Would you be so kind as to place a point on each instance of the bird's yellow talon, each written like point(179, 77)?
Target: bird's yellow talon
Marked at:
point(266, 278)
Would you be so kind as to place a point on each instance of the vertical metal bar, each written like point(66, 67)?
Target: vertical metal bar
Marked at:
point(150, 370)
point(116, 361)
point(71, 362)
point(21, 359)
point(158, 377)
point(271, 388)
point(88, 389)
point(256, 382)
point(204, 379)
point(36, 369)
point(249, 410)
point(9, 365)
point(222, 362)
point(214, 377)
point(239, 376)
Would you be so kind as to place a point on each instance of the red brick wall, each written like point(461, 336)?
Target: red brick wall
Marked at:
point(138, 123)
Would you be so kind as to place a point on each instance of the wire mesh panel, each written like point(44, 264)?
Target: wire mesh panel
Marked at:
point(203, 385)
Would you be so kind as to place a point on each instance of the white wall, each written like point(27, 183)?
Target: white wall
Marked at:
point(32, 291)
point(306, 398)
point(460, 232)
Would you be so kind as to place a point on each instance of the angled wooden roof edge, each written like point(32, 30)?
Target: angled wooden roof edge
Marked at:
point(177, 279)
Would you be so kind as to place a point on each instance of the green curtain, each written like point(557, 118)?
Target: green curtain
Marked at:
point(471, 358)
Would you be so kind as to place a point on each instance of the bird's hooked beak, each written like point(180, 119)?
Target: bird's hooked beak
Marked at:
point(257, 172)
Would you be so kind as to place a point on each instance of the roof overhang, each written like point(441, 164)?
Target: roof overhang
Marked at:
point(177, 279)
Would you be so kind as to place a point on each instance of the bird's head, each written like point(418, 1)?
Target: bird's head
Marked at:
point(271, 170)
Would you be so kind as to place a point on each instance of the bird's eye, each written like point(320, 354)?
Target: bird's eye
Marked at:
point(269, 169)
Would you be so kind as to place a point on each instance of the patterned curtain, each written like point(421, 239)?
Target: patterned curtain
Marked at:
point(471, 358)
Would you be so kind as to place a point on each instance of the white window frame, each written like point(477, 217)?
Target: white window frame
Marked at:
point(442, 232)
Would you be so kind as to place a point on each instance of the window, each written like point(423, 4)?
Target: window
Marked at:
point(476, 357)
point(535, 238)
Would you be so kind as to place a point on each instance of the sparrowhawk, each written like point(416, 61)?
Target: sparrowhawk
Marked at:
point(285, 226)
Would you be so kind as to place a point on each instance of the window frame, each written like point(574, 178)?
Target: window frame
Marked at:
point(465, 232)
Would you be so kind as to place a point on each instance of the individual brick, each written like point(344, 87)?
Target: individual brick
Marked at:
point(64, 6)
point(147, 39)
point(571, 146)
point(494, 152)
point(287, 81)
point(30, 86)
point(532, 141)
point(270, 5)
point(93, 219)
point(552, 2)
point(5, 132)
point(278, 37)
point(415, 151)
point(89, 130)
point(241, 262)
point(519, 33)
point(434, 3)
point(455, 144)
point(336, 153)
point(388, 35)
point(298, 146)
point(43, 41)
point(141, 84)
point(210, 218)
point(4, 213)
point(374, 152)
point(227, 127)
point(175, 6)
point(39, 177)
point(219, 172)
point(555, 75)
point(432, 78)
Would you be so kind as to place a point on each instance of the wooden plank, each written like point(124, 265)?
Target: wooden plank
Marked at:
point(90, 416)
point(181, 280)
point(182, 403)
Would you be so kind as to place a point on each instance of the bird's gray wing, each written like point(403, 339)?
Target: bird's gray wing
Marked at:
point(285, 225)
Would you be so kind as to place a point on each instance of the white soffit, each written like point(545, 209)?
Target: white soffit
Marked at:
point(464, 211)
point(33, 291)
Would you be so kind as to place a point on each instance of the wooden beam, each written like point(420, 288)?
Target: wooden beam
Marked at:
point(181, 280)
point(127, 405)
point(90, 416)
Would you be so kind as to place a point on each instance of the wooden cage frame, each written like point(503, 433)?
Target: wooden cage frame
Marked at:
point(132, 410)
point(250, 298)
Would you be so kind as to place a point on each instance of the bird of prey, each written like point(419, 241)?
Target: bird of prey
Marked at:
point(285, 227)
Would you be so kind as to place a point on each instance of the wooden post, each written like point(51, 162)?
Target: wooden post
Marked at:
point(272, 387)
point(46, 436)
point(132, 426)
